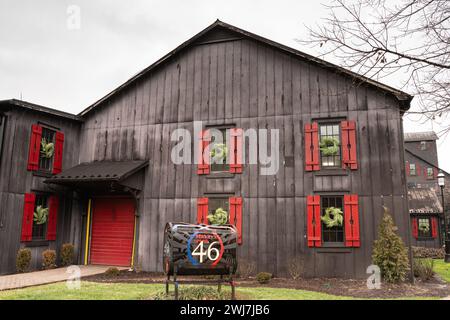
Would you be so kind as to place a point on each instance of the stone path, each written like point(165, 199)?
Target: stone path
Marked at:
point(29, 279)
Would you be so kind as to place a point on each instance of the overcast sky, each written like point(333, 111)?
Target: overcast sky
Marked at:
point(44, 61)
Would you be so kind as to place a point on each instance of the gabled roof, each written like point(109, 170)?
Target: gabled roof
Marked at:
point(403, 97)
point(426, 161)
point(38, 108)
point(420, 136)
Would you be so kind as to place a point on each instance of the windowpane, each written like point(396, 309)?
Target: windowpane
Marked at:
point(40, 229)
point(45, 160)
point(216, 203)
point(430, 173)
point(329, 133)
point(336, 233)
point(412, 169)
point(219, 164)
point(424, 226)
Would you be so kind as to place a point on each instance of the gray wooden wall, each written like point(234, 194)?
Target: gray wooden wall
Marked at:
point(15, 181)
point(252, 85)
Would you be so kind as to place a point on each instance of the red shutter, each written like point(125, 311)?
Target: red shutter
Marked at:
point(351, 220)
point(415, 229)
point(27, 219)
point(418, 170)
point(202, 211)
point(312, 147)
point(435, 172)
point(58, 155)
point(34, 147)
point(313, 221)
point(349, 145)
point(53, 205)
point(434, 227)
point(203, 164)
point(236, 216)
point(408, 169)
point(236, 136)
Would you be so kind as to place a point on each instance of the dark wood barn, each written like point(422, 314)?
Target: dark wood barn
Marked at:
point(124, 187)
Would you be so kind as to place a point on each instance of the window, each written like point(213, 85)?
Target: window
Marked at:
point(39, 230)
point(329, 138)
point(46, 159)
point(412, 169)
point(217, 149)
point(423, 145)
point(216, 203)
point(430, 173)
point(336, 233)
point(424, 227)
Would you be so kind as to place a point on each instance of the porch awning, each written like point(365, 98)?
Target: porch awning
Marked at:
point(100, 173)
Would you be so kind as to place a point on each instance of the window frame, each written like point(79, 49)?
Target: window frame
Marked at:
point(43, 237)
point(226, 128)
point(412, 172)
point(430, 231)
point(430, 176)
point(50, 163)
point(226, 199)
point(322, 225)
point(330, 122)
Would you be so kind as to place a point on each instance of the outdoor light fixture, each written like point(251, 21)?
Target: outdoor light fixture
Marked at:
point(441, 183)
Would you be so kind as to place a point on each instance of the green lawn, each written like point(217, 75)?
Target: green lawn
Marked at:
point(442, 269)
point(128, 291)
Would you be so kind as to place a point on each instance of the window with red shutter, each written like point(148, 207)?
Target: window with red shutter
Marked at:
point(202, 211)
point(312, 147)
point(418, 169)
point(434, 227)
point(407, 169)
point(236, 144)
point(203, 166)
point(53, 205)
point(236, 215)
point(349, 153)
point(34, 147)
point(58, 153)
point(27, 219)
point(351, 220)
point(313, 221)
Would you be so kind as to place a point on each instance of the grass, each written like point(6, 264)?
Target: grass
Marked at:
point(131, 291)
point(442, 269)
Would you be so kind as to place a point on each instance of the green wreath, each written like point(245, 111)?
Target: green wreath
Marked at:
point(47, 148)
point(219, 152)
point(424, 227)
point(40, 215)
point(333, 217)
point(219, 217)
point(329, 146)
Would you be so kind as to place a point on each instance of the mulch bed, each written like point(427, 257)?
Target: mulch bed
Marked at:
point(341, 287)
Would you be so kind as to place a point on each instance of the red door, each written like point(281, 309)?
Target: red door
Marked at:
point(112, 231)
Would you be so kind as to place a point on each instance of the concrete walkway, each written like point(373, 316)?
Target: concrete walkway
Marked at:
point(22, 280)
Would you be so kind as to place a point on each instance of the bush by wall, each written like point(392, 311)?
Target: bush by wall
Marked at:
point(23, 260)
point(67, 254)
point(49, 259)
point(263, 277)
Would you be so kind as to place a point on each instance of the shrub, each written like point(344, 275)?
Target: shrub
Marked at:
point(23, 260)
point(67, 254)
point(49, 259)
point(389, 252)
point(423, 268)
point(112, 272)
point(434, 253)
point(246, 268)
point(193, 293)
point(263, 277)
point(296, 266)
